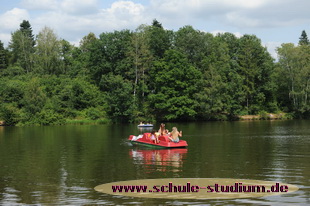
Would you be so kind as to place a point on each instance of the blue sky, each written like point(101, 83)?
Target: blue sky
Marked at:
point(273, 21)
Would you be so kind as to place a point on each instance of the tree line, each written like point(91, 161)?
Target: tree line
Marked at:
point(149, 74)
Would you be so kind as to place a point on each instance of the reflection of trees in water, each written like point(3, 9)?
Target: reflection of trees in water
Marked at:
point(159, 160)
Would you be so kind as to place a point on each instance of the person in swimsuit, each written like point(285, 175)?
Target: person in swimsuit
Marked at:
point(175, 134)
point(154, 136)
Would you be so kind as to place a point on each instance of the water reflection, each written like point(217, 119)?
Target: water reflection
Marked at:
point(162, 160)
point(145, 129)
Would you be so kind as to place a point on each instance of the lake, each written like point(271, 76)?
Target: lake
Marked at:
point(61, 165)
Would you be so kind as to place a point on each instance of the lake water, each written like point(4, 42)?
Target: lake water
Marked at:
point(61, 165)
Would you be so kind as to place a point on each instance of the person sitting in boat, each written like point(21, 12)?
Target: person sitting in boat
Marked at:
point(161, 130)
point(175, 134)
point(154, 136)
point(167, 132)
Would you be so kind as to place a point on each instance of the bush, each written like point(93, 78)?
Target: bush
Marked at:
point(93, 113)
point(9, 114)
point(49, 117)
point(263, 115)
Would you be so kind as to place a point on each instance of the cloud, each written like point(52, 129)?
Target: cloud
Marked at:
point(11, 19)
point(40, 4)
point(10, 22)
point(72, 23)
point(238, 13)
point(237, 34)
point(80, 7)
point(271, 47)
point(72, 19)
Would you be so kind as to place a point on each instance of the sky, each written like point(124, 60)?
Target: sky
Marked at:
point(273, 21)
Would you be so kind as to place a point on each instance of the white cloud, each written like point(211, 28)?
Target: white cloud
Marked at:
point(73, 24)
point(215, 32)
point(271, 47)
point(40, 4)
point(11, 19)
point(73, 19)
point(5, 38)
point(10, 22)
point(239, 13)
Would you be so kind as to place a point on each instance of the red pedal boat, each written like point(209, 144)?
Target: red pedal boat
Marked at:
point(164, 141)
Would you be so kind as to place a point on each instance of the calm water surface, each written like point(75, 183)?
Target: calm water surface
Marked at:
point(62, 164)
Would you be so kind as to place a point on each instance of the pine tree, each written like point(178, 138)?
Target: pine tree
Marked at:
point(3, 57)
point(26, 29)
point(303, 39)
point(22, 46)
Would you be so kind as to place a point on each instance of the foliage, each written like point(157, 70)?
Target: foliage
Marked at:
point(294, 77)
point(48, 52)
point(3, 57)
point(303, 40)
point(118, 96)
point(175, 83)
point(149, 74)
point(9, 114)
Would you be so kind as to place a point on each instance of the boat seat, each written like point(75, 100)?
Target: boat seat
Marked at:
point(147, 136)
point(163, 138)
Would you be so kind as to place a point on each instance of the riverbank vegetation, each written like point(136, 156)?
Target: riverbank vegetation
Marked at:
point(149, 74)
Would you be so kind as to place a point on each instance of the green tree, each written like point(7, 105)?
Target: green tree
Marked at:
point(294, 76)
point(141, 58)
point(303, 39)
point(175, 83)
point(214, 96)
point(22, 46)
point(66, 55)
point(26, 29)
point(34, 98)
point(109, 54)
point(193, 43)
point(81, 56)
point(256, 66)
point(119, 98)
point(159, 39)
point(48, 52)
point(3, 57)
point(9, 114)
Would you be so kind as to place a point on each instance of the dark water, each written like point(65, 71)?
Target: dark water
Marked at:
point(62, 164)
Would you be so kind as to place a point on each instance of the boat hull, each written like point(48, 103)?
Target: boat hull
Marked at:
point(145, 125)
point(163, 141)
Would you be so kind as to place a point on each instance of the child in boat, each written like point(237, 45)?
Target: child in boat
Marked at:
point(161, 130)
point(154, 136)
point(175, 134)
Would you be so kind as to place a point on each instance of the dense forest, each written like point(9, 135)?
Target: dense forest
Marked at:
point(149, 74)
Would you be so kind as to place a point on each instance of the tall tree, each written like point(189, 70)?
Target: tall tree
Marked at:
point(109, 54)
point(192, 43)
point(26, 29)
point(295, 76)
point(214, 95)
point(48, 52)
point(119, 98)
point(175, 83)
point(3, 57)
point(141, 57)
point(159, 39)
point(66, 53)
point(303, 39)
point(256, 66)
point(22, 46)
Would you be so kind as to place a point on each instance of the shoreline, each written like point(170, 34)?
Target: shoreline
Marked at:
point(266, 116)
